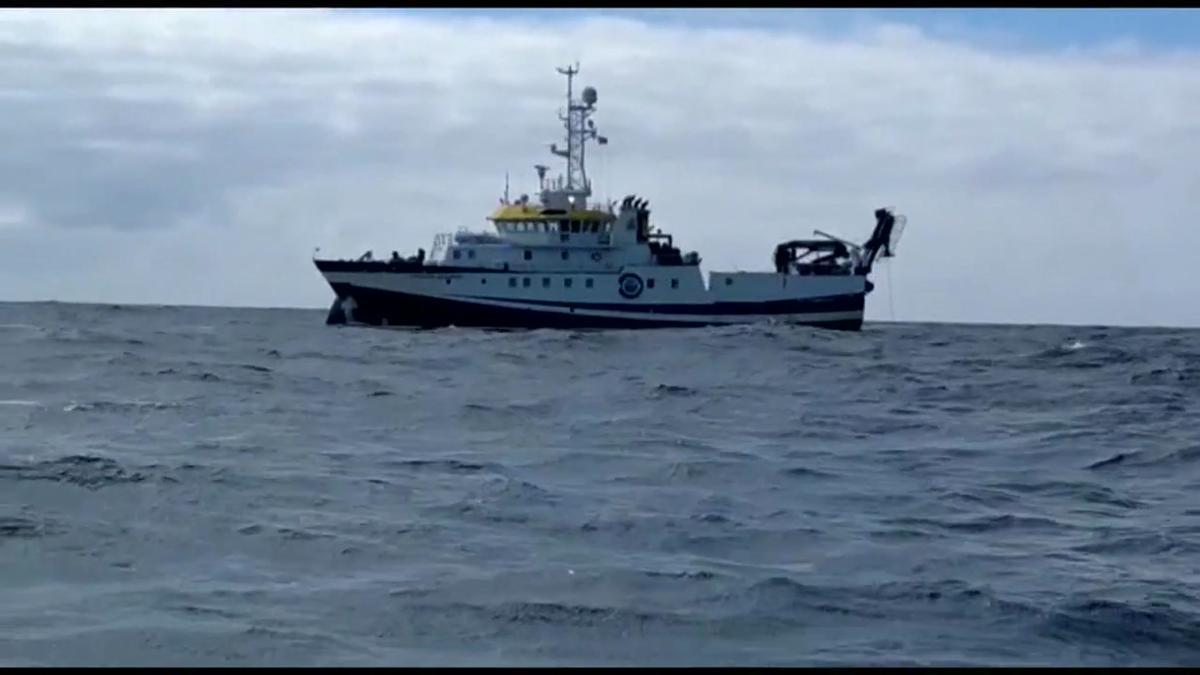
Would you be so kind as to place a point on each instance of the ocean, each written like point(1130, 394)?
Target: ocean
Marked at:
point(206, 486)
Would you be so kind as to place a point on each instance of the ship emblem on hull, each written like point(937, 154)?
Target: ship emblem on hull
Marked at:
point(630, 285)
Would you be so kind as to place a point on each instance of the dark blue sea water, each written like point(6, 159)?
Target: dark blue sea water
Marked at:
point(231, 486)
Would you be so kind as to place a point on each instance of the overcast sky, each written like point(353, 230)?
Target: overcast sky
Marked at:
point(199, 157)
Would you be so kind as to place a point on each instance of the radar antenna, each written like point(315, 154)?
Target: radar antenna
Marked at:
point(576, 187)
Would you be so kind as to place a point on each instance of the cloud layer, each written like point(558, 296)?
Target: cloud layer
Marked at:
point(200, 156)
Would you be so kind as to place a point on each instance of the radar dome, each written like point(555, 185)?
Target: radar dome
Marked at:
point(589, 95)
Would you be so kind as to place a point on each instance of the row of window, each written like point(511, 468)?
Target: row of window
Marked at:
point(568, 282)
point(573, 226)
point(457, 254)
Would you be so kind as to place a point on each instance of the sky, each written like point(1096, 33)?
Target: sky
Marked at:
point(1045, 159)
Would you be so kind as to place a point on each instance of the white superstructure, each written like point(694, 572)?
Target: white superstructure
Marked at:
point(567, 262)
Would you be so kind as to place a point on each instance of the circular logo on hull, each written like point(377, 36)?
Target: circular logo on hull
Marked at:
point(630, 285)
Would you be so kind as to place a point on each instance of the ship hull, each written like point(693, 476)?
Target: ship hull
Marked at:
point(363, 305)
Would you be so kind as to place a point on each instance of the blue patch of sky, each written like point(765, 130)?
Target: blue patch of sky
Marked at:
point(1151, 29)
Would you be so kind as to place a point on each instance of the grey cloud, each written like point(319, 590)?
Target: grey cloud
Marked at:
point(221, 147)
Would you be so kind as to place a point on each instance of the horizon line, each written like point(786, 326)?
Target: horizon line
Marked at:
point(994, 324)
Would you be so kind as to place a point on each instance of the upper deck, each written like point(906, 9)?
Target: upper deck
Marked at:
point(524, 219)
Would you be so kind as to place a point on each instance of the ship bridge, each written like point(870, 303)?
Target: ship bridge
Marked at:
point(525, 218)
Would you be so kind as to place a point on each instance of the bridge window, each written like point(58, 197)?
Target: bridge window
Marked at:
point(528, 255)
point(525, 282)
point(564, 255)
point(575, 226)
point(483, 280)
point(512, 282)
point(545, 282)
point(471, 253)
point(588, 282)
point(567, 282)
point(674, 283)
point(728, 281)
point(457, 254)
point(649, 283)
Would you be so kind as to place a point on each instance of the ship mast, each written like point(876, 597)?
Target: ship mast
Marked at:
point(576, 188)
